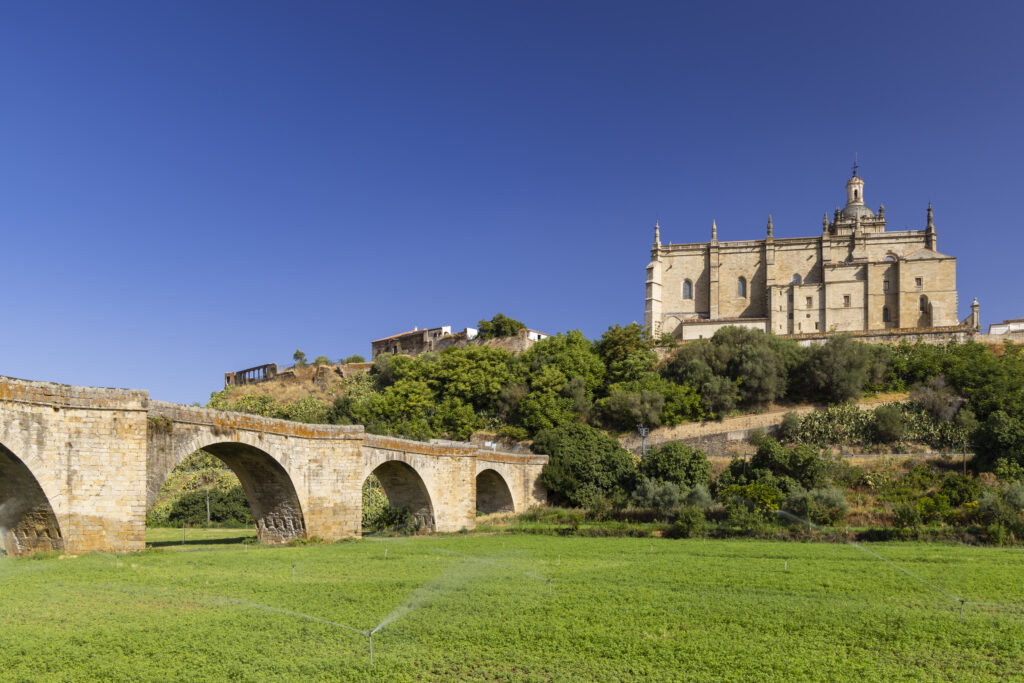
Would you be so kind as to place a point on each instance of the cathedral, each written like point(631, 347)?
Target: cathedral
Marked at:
point(854, 276)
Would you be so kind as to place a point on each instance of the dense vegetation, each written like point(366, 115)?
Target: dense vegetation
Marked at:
point(568, 394)
point(963, 393)
point(480, 607)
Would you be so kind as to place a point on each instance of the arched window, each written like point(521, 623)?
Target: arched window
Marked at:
point(796, 278)
point(924, 304)
point(890, 257)
point(855, 194)
point(687, 289)
point(885, 314)
point(741, 287)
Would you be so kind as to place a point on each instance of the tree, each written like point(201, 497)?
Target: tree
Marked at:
point(584, 464)
point(837, 370)
point(499, 326)
point(677, 463)
point(321, 360)
point(354, 358)
point(300, 358)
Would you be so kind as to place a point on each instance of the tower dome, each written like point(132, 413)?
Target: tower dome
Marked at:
point(855, 206)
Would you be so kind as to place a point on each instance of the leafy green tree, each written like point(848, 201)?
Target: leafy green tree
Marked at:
point(584, 464)
point(677, 463)
point(499, 326)
point(354, 358)
point(837, 370)
point(321, 360)
point(571, 354)
point(300, 358)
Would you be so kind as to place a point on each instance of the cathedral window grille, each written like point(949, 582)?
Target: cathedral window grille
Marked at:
point(924, 304)
point(846, 300)
point(810, 301)
point(885, 314)
point(885, 285)
point(796, 278)
point(687, 289)
point(919, 282)
point(741, 287)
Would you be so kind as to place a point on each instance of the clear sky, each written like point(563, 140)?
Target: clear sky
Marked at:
point(188, 188)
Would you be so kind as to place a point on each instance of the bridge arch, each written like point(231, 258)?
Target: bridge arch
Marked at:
point(406, 489)
point(268, 486)
point(493, 493)
point(27, 521)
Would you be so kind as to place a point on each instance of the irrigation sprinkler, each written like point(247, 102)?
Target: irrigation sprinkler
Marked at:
point(549, 586)
point(385, 551)
point(961, 610)
point(293, 573)
point(369, 635)
point(183, 533)
point(787, 566)
point(559, 559)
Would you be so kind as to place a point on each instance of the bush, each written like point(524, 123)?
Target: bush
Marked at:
point(959, 489)
point(499, 326)
point(1009, 470)
point(821, 506)
point(1014, 496)
point(677, 463)
point(906, 516)
point(354, 358)
point(659, 496)
point(226, 506)
point(688, 524)
point(699, 497)
point(789, 428)
point(890, 426)
point(585, 464)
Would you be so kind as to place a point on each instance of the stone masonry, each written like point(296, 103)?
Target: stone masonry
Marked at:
point(80, 466)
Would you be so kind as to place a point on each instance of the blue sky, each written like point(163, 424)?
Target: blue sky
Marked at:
point(189, 188)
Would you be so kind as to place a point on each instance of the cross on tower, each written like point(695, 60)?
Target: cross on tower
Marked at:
point(855, 166)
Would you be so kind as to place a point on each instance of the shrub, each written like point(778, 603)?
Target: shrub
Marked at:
point(677, 463)
point(660, 496)
point(499, 326)
point(230, 506)
point(906, 516)
point(584, 464)
point(699, 497)
point(688, 524)
point(1014, 496)
point(354, 358)
point(890, 426)
point(959, 489)
point(1009, 470)
point(820, 506)
point(789, 429)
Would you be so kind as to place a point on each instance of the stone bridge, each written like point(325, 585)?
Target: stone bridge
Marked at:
point(80, 467)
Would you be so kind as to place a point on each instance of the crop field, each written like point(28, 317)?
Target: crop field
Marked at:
point(514, 607)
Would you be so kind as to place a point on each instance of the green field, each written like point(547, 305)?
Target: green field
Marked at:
point(482, 607)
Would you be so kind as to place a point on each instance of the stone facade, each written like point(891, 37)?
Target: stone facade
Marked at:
point(854, 276)
point(80, 466)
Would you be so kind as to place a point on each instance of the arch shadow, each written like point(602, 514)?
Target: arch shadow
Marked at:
point(405, 489)
point(492, 493)
point(27, 521)
point(268, 488)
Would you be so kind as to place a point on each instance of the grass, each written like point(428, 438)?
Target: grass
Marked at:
point(618, 609)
